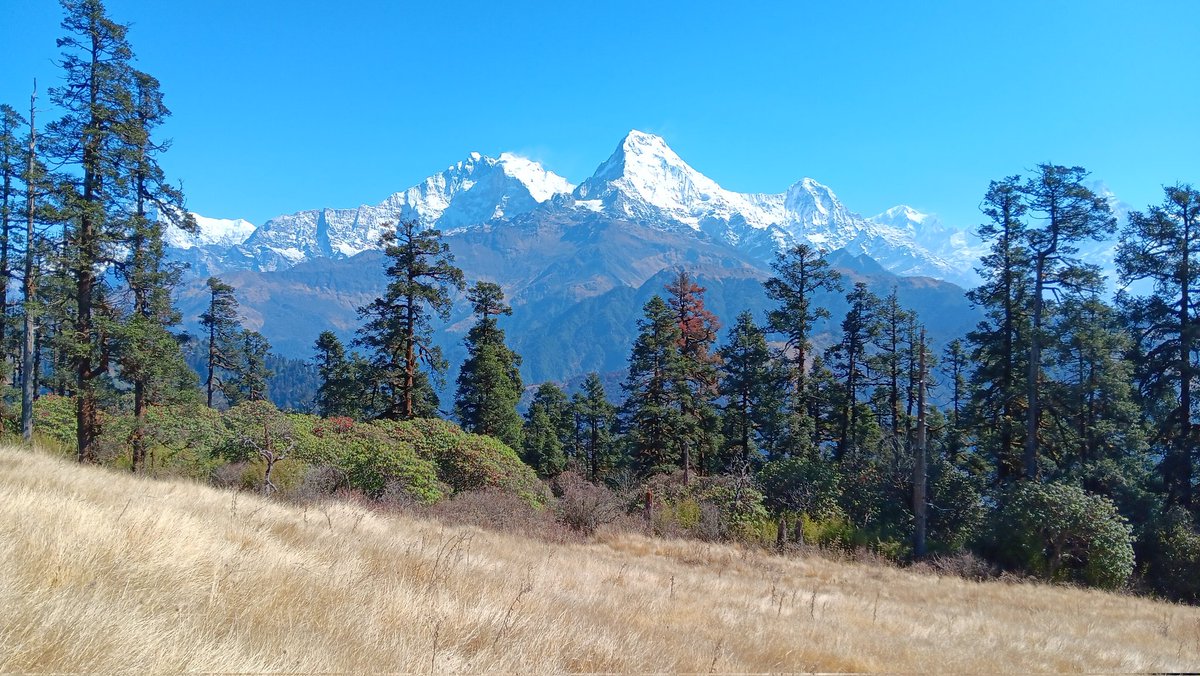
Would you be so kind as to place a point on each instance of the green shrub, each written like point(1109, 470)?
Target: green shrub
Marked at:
point(287, 475)
point(1060, 532)
point(54, 421)
point(833, 532)
point(180, 439)
point(710, 507)
point(958, 514)
point(468, 462)
point(800, 484)
point(1172, 564)
point(376, 466)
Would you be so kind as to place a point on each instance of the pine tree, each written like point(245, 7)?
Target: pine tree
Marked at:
point(891, 364)
point(148, 353)
point(955, 366)
point(340, 392)
point(849, 359)
point(999, 353)
point(1095, 419)
point(221, 324)
point(653, 419)
point(489, 385)
point(12, 161)
point(91, 138)
point(250, 372)
point(800, 274)
point(549, 426)
point(594, 417)
point(421, 274)
point(752, 388)
point(1070, 213)
point(1162, 246)
point(698, 375)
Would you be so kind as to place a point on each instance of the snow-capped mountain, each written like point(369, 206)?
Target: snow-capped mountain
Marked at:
point(474, 191)
point(643, 181)
point(218, 232)
point(646, 181)
point(960, 248)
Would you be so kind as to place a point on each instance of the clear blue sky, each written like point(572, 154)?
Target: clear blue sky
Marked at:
point(280, 106)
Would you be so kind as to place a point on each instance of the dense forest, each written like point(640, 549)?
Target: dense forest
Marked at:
point(1066, 447)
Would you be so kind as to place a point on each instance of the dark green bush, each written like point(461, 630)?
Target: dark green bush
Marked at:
point(377, 466)
point(1060, 532)
point(1172, 565)
point(54, 421)
point(709, 507)
point(180, 439)
point(808, 485)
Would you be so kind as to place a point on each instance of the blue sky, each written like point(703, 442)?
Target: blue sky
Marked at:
point(280, 106)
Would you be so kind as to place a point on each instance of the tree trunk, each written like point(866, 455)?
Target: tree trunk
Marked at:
point(85, 278)
point(28, 345)
point(920, 515)
point(1032, 391)
point(1184, 445)
point(137, 440)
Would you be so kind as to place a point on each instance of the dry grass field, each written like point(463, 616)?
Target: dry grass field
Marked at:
point(103, 572)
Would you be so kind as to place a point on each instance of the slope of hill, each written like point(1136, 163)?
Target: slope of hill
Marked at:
point(104, 572)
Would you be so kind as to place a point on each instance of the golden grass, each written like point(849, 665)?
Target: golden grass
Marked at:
point(104, 572)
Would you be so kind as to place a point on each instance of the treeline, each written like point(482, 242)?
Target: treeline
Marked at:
point(1066, 447)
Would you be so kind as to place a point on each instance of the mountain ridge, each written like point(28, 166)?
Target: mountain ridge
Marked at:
point(643, 180)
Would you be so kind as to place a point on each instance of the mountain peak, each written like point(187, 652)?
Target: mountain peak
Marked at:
point(901, 213)
point(644, 177)
point(541, 182)
point(643, 139)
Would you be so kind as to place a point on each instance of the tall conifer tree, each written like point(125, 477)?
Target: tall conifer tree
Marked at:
point(421, 275)
point(594, 417)
point(92, 138)
point(698, 376)
point(800, 274)
point(1067, 212)
point(220, 322)
point(1162, 246)
point(652, 414)
point(999, 343)
point(753, 390)
point(489, 385)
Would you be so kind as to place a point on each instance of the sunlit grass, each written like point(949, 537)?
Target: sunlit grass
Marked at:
point(101, 571)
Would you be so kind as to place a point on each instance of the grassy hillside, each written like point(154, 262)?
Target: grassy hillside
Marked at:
point(104, 572)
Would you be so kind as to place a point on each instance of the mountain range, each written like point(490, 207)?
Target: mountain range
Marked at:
point(644, 181)
point(576, 261)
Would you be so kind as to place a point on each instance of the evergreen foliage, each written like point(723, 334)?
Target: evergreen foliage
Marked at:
point(801, 272)
point(653, 417)
point(1162, 246)
point(753, 390)
point(594, 421)
point(489, 384)
point(398, 329)
point(549, 430)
